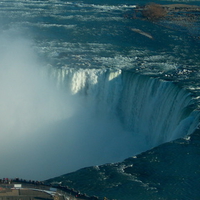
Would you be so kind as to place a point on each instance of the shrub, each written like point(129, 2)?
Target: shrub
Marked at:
point(154, 11)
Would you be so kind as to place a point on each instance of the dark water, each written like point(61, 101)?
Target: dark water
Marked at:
point(117, 94)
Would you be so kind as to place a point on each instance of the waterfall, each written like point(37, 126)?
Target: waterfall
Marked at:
point(156, 110)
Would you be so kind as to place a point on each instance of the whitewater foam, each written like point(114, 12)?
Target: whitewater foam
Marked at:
point(158, 110)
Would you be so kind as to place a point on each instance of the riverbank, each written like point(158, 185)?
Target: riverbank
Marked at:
point(181, 17)
point(16, 189)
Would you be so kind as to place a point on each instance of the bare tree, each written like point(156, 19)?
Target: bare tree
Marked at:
point(154, 11)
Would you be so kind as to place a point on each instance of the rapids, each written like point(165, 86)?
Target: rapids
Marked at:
point(80, 88)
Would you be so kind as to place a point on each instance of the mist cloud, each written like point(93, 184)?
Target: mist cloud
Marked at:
point(46, 132)
point(29, 102)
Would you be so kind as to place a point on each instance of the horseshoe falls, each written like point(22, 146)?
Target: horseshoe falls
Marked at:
point(151, 110)
point(100, 102)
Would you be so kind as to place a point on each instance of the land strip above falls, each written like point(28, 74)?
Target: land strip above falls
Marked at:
point(181, 17)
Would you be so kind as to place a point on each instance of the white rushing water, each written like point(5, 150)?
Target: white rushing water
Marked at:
point(93, 116)
point(158, 111)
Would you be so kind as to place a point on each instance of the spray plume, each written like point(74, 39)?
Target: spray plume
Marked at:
point(46, 132)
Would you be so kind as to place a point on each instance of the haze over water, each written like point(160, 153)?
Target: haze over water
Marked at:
point(62, 80)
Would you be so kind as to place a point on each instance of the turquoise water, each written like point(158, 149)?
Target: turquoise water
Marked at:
point(126, 84)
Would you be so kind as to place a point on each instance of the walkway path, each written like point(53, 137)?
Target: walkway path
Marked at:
point(16, 190)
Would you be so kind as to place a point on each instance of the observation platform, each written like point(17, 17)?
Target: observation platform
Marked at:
point(18, 189)
point(25, 194)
